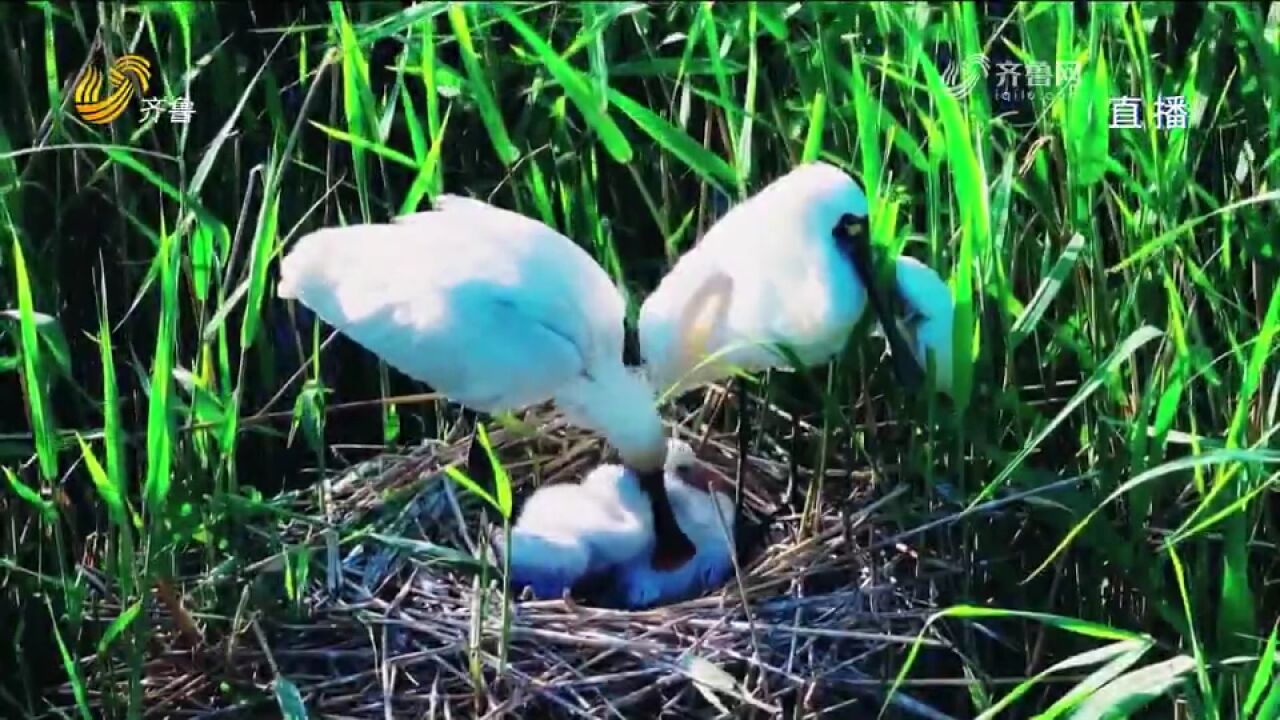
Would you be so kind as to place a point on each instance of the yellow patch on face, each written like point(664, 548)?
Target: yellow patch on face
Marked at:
point(704, 310)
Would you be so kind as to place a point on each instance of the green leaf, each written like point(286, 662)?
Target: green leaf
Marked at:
point(478, 81)
point(1262, 675)
point(710, 167)
point(1134, 690)
point(33, 372)
point(47, 509)
point(575, 86)
point(119, 625)
point(289, 699)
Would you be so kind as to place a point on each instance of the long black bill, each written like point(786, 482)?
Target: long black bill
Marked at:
point(853, 236)
point(672, 548)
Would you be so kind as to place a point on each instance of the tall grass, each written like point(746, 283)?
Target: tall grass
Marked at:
point(1117, 303)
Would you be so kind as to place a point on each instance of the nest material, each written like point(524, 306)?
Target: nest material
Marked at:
point(393, 618)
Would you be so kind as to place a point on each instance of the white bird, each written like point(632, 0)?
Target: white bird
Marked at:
point(496, 311)
point(792, 266)
point(567, 533)
point(930, 317)
point(702, 500)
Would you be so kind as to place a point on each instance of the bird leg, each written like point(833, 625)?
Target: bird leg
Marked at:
point(672, 548)
point(789, 495)
point(744, 448)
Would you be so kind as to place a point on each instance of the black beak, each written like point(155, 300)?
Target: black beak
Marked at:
point(672, 548)
point(853, 236)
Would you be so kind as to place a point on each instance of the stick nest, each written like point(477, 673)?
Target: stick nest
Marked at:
point(361, 596)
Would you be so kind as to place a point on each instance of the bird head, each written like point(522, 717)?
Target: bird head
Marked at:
point(852, 236)
point(684, 465)
point(851, 232)
point(826, 197)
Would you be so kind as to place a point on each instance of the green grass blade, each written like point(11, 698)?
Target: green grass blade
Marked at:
point(478, 82)
point(711, 168)
point(159, 411)
point(817, 126)
point(575, 86)
point(1117, 657)
point(72, 670)
point(289, 699)
point(1134, 690)
point(33, 372)
point(118, 626)
point(1048, 290)
point(264, 246)
point(1136, 340)
point(1263, 675)
point(46, 508)
point(1208, 459)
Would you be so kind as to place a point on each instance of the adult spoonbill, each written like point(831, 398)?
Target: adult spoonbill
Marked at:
point(496, 311)
point(602, 531)
point(791, 265)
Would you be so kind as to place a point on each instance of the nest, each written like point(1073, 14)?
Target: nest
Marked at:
point(388, 609)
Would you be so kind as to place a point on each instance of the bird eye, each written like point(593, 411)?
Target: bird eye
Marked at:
point(849, 232)
point(852, 225)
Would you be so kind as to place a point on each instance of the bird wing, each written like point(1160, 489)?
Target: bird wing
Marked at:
point(604, 305)
point(923, 289)
point(774, 296)
point(487, 311)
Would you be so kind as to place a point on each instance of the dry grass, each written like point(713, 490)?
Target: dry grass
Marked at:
point(387, 621)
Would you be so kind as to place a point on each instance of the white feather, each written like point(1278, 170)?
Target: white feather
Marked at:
point(568, 530)
point(929, 300)
point(708, 520)
point(790, 283)
point(494, 310)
